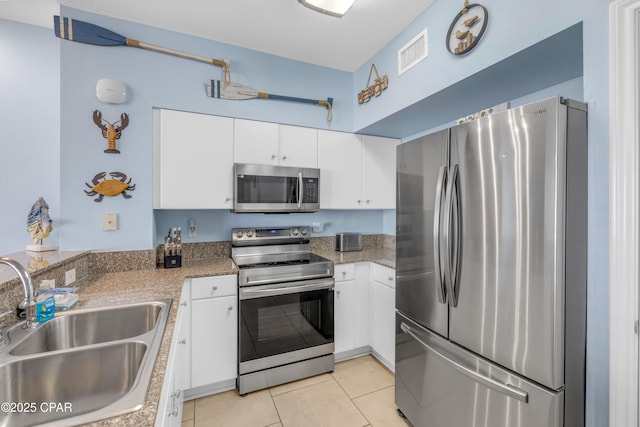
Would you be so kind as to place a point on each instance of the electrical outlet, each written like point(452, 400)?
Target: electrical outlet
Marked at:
point(192, 229)
point(70, 277)
point(109, 221)
point(48, 284)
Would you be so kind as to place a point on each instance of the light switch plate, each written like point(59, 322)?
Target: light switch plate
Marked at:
point(110, 221)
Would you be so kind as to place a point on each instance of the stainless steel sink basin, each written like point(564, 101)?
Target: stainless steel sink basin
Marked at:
point(82, 381)
point(83, 327)
point(90, 364)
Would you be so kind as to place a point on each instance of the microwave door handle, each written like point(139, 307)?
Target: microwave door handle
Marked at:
point(300, 190)
point(506, 389)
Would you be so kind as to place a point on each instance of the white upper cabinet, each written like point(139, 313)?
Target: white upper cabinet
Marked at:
point(255, 142)
point(193, 161)
point(357, 171)
point(340, 163)
point(298, 146)
point(379, 172)
point(274, 144)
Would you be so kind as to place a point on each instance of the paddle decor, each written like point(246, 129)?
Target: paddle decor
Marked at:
point(223, 90)
point(84, 32)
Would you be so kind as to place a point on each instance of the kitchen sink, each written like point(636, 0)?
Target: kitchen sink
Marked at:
point(81, 366)
point(77, 382)
point(91, 326)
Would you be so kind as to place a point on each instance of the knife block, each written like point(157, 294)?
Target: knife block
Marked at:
point(173, 261)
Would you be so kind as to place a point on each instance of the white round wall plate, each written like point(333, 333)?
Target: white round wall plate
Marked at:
point(111, 91)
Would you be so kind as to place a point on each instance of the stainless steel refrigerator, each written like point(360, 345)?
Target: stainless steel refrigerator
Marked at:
point(491, 264)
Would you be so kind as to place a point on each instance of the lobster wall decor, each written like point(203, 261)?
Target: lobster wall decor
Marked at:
point(111, 131)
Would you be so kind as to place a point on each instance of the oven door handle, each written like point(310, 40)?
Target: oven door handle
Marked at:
point(261, 291)
point(300, 190)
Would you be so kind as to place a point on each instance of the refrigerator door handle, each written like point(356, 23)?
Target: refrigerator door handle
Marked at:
point(506, 389)
point(437, 259)
point(452, 232)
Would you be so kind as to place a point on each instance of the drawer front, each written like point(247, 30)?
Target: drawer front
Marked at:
point(215, 286)
point(383, 275)
point(344, 272)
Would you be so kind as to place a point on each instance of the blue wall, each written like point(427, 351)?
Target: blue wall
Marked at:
point(158, 80)
point(29, 130)
point(215, 225)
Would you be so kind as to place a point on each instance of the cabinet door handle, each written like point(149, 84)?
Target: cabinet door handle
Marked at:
point(344, 274)
point(183, 341)
point(227, 199)
point(359, 202)
point(284, 157)
point(183, 303)
point(368, 201)
point(390, 278)
point(213, 289)
point(273, 157)
point(230, 308)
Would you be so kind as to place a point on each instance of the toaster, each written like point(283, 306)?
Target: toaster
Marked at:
point(347, 242)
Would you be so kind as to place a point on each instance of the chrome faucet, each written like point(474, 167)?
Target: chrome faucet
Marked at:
point(27, 286)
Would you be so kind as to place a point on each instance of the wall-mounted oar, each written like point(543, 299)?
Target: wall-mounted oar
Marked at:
point(222, 90)
point(84, 32)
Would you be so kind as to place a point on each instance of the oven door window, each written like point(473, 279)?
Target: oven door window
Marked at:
point(283, 323)
point(267, 189)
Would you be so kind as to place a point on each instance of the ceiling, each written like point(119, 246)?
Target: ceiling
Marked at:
point(278, 27)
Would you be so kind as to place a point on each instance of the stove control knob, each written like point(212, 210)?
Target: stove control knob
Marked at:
point(239, 234)
point(304, 231)
point(249, 233)
point(294, 232)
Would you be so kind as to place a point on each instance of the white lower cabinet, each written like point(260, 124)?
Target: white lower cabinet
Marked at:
point(214, 330)
point(204, 349)
point(382, 302)
point(351, 310)
point(176, 379)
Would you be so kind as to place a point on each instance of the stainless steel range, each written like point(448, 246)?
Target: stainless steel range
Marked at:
point(285, 322)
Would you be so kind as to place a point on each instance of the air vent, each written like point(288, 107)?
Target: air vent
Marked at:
point(413, 52)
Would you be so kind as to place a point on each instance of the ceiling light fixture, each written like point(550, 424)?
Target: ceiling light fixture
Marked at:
point(335, 8)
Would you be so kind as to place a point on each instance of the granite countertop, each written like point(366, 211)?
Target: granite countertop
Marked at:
point(146, 285)
point(99, 290)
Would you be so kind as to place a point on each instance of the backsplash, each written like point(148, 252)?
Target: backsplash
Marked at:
point(54, 265)
point(115, 262)
point(198, 251)
point(369, 241)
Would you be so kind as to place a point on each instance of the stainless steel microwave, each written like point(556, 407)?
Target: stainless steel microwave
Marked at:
point(273, 189)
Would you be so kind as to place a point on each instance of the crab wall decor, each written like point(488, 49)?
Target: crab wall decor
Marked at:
point(110, 187)
point(111, 131)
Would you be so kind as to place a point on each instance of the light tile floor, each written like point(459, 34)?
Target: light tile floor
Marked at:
point(359, 392)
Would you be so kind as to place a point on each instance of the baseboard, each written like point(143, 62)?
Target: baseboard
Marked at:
point(209, 389)
point(353, 353)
